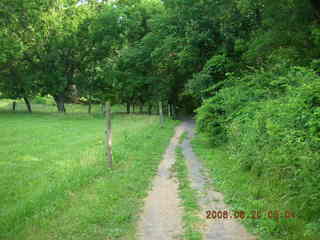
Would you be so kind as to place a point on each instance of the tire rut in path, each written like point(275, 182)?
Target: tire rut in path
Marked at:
point(218, 229)
point(162, 215)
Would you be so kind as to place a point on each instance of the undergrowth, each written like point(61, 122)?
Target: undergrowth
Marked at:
point(262, 143)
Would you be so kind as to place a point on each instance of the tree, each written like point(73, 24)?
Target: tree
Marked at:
point(101, 36)
point(19, 36)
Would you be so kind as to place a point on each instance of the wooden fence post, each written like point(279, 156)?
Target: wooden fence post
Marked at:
point(161, 114)
point(14, 104)
point(108, 135)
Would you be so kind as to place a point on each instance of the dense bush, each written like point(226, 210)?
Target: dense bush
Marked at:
point(213, 72)
point(270, 123)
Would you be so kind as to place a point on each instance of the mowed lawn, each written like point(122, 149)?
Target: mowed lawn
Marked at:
point(54, 181)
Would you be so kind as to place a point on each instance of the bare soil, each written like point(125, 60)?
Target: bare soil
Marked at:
point(161, 218)
point(162, 215)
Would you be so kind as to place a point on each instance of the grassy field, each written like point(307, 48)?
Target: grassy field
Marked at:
point(50, 106)
point(54, 183)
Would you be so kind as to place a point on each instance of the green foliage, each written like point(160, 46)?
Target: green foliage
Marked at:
point(214, 71)
point(20, 24)
point(78, 43)
point(269, 122)
point(48, 100)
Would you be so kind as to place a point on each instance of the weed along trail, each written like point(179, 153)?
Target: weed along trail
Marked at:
point(162, 215)
point(208, 199)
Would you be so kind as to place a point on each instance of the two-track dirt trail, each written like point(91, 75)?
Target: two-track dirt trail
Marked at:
point(162, 215)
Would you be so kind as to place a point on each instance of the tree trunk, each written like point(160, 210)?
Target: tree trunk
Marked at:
point(169, 110)
point(60, 103)
point(150, 109)
point(173, 111)
point(166, 109)
point(128, 108)
point(14, 104)
point(103, 108)
point(108, 135)
point(89, 105)
point(133, 108)
point(141, 108)
point(26, 100)
point(89, 108)
point(161, 114)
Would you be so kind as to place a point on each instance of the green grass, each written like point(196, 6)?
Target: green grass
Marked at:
point(191, 218)
point(183, 136)
point(6, 106)
point(243, 191)
point(54, 183)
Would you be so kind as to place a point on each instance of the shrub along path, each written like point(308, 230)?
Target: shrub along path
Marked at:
point(162, 215)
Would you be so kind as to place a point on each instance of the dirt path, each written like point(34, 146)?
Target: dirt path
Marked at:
point(161, 217)
point(209, 199)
